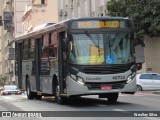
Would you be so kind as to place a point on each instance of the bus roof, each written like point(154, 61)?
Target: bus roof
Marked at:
point(100, 18)
point(43, 26)
point(44, 29)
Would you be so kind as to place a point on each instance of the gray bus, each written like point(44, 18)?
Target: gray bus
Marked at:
point(84, 56)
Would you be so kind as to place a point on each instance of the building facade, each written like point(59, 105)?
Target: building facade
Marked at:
point(25, 15)
point(68, 9)
point(2, 48)
point(12, 12)
point(39, 12)
point(151, 53)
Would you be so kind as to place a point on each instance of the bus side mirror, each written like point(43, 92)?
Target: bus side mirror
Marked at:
point(139, 41)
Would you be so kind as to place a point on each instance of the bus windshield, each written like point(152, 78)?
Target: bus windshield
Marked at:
point(106, 48)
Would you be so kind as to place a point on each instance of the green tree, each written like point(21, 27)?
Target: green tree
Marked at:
point(3, 80)
point(144, 15)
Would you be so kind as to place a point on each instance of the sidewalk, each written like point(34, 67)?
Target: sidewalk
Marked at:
point(156, 92)
point(151, 92)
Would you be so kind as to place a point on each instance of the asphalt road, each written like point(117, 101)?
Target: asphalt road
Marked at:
point(127, 105)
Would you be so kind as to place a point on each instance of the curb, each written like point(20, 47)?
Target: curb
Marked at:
point(156, 92)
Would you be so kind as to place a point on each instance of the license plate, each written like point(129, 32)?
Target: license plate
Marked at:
point(106, 87)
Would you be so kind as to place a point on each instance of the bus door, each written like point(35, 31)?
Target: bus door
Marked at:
point(38, 63)
point(61, 61)
point(19, 64)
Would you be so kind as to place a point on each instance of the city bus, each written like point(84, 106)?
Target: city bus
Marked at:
point(77, 57)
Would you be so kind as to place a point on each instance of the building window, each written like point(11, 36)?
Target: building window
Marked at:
point(39, 2)
point(42, 1)
point(71, 4)
point(78, 2)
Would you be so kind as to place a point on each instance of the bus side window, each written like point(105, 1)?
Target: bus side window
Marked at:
point(53, 44)
point(45, 47)
point(25, 50)
point(31, 48)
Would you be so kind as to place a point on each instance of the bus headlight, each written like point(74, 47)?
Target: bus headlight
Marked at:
point(77, 79)
point(80, 81)
point(131, 77)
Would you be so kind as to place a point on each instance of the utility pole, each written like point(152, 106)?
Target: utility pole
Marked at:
point(1, 23)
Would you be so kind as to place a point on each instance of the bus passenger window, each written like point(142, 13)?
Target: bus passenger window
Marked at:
point(53, 46)
point(45, 48)
point(31, 48)
point(45, 52)
point(25, 50)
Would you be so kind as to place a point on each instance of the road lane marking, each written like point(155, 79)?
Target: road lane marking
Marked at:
point(24, 96)
point(139, 94)
point(151, 99)
point(13, 98)
point(152, 94)
point(8, 98)
point(118, 110)
point(152, 118)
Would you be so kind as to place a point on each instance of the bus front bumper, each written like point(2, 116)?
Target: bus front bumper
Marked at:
point(76, 89)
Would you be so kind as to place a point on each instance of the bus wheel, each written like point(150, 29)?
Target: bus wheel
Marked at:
point(59, 99)
point(38, 97)
point(112, 97)
point(30, 95)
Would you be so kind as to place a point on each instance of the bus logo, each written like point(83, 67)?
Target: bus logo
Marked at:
point(96, 78)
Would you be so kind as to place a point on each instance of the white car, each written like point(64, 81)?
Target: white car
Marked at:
point(148, 81)
point(10, 89)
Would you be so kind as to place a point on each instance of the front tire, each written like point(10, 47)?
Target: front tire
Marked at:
point(59, 99)
point(38, 97)
point(30, 94)
point(112, 97)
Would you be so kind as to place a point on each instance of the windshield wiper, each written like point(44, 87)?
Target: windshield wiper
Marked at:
point(90, 37)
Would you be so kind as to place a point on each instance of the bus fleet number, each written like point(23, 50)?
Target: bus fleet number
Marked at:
point(118, 77)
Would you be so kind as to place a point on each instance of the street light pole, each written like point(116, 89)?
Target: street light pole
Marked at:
point(1, 23)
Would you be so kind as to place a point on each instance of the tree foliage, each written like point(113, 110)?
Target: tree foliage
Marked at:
point(144, 15)
point(3, 80)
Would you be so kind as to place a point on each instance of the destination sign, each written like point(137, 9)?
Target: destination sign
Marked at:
point(98, 24)
point(95, 24)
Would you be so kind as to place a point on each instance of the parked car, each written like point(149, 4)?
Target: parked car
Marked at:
point(148, 81)
point(10, 89)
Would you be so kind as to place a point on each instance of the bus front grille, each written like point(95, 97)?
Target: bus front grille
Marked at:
point(105, 70)
point(97, 85)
